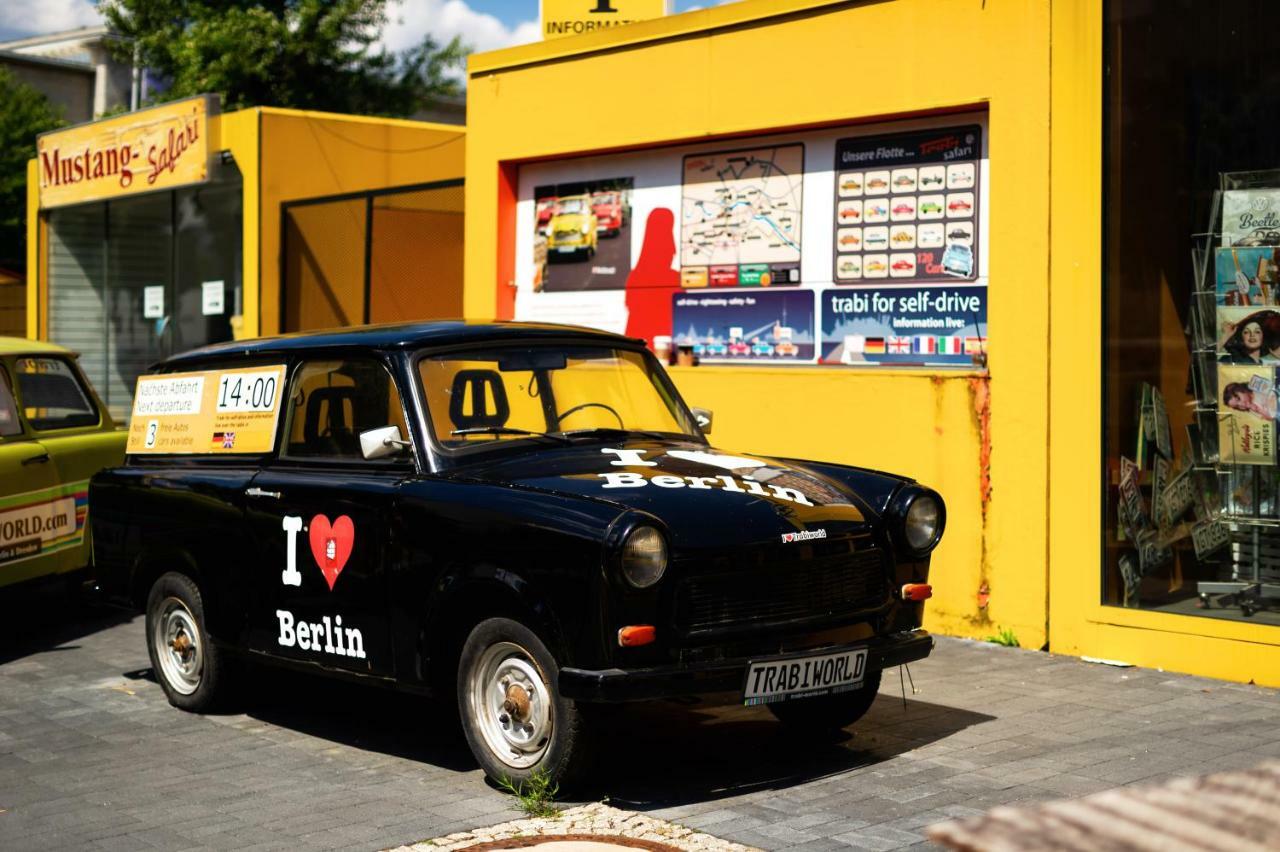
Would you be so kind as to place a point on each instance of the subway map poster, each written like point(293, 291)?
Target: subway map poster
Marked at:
point(740, 217)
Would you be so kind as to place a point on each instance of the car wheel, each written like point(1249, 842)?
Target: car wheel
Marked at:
point(829, 712)
point(515, 720)
point(190, 669)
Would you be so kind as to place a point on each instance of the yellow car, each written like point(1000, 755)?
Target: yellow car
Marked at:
point(54, 434)
point(573, 227)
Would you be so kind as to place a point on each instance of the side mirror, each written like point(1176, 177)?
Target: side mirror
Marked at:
point(703, 417)
point(382, 442)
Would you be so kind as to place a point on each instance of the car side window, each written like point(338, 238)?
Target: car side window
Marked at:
point(332, 402)
point(51, 393)
point(10, 423)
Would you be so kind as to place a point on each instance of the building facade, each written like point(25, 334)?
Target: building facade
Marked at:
point(969, 242)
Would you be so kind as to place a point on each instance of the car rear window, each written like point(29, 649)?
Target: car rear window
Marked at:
point(52, 396)
point(10, 424)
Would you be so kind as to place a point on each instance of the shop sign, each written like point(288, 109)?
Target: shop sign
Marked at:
point(152, 149)
point(573, 17)
point(211, 412)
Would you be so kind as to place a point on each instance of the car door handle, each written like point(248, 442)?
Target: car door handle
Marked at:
point(40, 459)
point(258, 492)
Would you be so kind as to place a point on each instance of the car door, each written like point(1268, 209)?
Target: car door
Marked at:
point(66, 418)
point(321, 518)
point(28, 499)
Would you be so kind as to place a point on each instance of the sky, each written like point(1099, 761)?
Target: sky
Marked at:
point(484, 24)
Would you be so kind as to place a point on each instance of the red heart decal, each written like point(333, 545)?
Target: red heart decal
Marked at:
point(331, 545)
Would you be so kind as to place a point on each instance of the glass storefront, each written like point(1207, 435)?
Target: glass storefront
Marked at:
point(134, 280)
point(1191, 335)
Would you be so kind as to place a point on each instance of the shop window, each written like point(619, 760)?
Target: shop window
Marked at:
point(135, 280)
point(1192, 308)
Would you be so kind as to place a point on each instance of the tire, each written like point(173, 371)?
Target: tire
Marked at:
point(830, 712)
point(554, 738)
point(190, 669)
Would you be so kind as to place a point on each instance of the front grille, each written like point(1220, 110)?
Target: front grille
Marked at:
point(828, 585)
point(567, 235)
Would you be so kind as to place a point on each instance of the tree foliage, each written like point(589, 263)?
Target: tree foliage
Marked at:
point(307, 54)
point(24, 113)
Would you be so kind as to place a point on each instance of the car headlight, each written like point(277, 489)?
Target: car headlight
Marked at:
point(920, 519)
point(586, 227)
point(644, 557)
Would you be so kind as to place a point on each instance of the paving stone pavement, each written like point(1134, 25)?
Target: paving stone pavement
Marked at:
point(93, 757)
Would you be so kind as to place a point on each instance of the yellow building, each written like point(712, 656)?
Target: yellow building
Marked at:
point(782, 169)
point(168, 228)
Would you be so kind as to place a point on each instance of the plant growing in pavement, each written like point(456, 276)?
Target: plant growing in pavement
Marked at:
point(1005, 637)
point(536, 796)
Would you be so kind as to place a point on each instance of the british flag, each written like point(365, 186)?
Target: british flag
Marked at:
point(228, 440)
point(899, 345)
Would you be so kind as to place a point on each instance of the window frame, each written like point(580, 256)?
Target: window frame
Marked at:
point(23, 432)
point(81, 383)
point(281, 458)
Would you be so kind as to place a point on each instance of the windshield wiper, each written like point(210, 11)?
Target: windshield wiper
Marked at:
point(508, 430)
point(612, 430)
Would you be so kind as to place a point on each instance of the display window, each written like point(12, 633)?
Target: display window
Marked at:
point(1191, 335)
point(854, 246)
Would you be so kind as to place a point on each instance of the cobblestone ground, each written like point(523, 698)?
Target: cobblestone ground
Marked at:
point(92, 756)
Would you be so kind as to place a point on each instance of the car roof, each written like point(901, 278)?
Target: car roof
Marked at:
point(23, 346)
point(405, 336)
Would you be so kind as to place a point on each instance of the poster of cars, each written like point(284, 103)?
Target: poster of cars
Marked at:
point(914, 326)
point(1247, 413)
point(906, 206)
point(746, 326)
point(741, 216)
point(1251, 217)
point(756, 215)
point(583, 235)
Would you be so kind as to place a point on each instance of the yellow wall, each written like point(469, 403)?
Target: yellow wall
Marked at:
point(308, 154)
point(717, 73)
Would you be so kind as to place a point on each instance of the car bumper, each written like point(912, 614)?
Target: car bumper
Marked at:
point(724, 676)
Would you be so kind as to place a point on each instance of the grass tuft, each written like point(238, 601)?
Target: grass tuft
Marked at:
point(536, 796)
point(1005, 637)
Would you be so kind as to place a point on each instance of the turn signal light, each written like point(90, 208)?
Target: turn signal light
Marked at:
point(917, 592)
point(636, 634)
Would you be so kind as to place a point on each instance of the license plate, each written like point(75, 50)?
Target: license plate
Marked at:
point(803, 677)
point(566, 248)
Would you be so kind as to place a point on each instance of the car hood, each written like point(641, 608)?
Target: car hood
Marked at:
point(707, 498)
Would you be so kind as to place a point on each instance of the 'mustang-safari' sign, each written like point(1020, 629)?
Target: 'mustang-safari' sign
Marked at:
point(158, 148)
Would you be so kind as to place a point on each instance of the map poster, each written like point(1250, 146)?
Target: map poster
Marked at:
point(740, 217)
point(582, 238)
point(911, 326)
point(1251, 216)
point(212, 412)
point(1247, 414)
point(744, 326)
point(906, 206)
point(1246, 276)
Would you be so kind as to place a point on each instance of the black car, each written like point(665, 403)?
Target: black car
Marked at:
point(525, 516)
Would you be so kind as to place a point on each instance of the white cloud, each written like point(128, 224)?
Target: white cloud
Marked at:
point(36, 17)
point(410, 20)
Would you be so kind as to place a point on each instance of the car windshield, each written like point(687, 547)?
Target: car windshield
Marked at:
point(570, 205)
point(484, 397)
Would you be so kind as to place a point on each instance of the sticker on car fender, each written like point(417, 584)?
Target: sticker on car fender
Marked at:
point(804, 677)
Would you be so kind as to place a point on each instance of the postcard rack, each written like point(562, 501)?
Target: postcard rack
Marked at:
point(1242, 501)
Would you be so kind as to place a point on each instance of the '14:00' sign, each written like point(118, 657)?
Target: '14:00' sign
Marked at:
point(158, 148)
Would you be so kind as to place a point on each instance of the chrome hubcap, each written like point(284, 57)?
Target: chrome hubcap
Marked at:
point(511, 704)
point(177, 644)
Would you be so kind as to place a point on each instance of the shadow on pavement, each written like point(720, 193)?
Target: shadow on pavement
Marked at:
point(667, 755)
point(46, 616)
point(357, 715)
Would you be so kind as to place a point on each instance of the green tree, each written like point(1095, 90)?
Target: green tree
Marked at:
point(24, 113)
point(307, 54)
